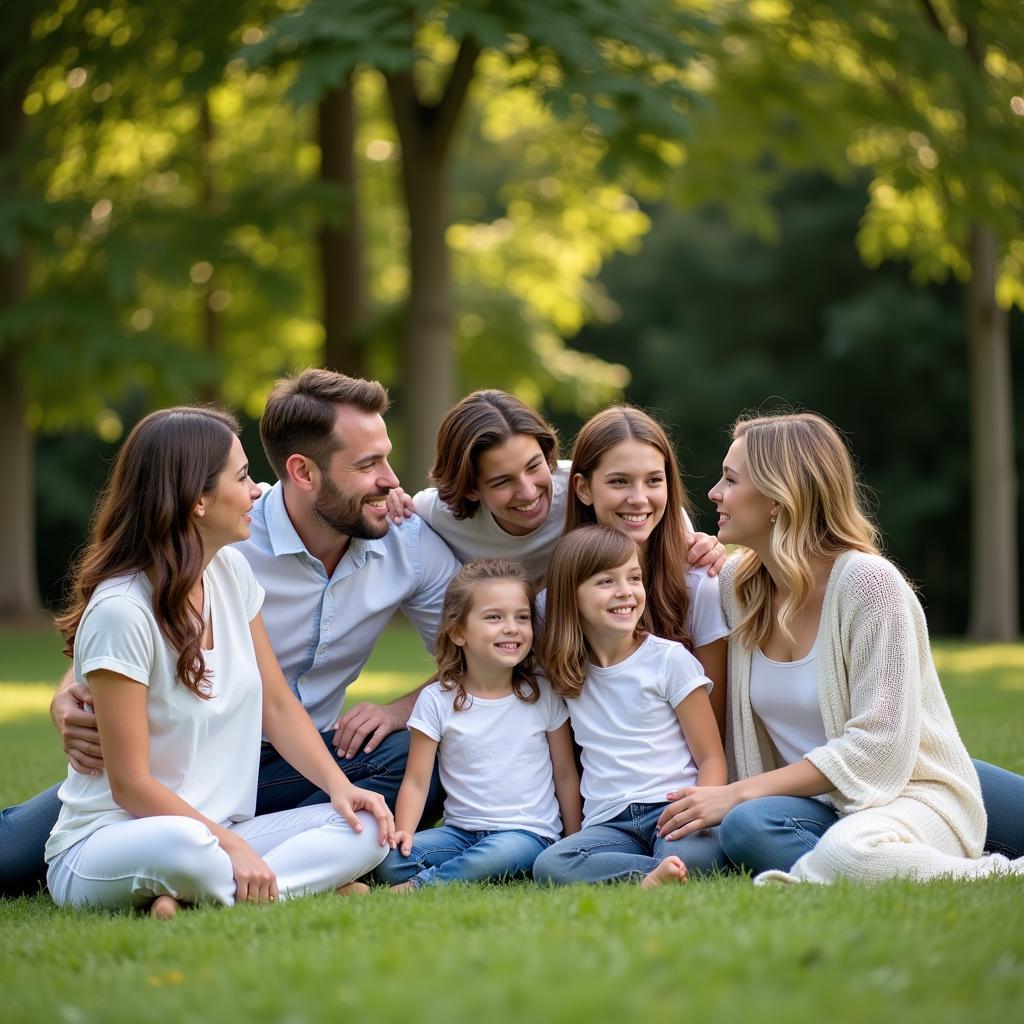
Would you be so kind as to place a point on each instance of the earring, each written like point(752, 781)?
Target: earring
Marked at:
point(772, 518)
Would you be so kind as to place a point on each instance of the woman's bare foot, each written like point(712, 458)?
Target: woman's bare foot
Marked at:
point(671, 869)
point(164, 908)
point(352, 889)
point(403, 887)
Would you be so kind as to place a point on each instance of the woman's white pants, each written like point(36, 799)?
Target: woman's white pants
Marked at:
point(130, 863)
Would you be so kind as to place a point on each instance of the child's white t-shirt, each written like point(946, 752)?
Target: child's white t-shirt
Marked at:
point(625, 721)
point(205, 751)
point(480, 536)
point(493, 758)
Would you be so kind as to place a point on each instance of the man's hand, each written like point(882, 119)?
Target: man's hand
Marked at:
point(365, 720)
point(706, 552)
point(73, 719)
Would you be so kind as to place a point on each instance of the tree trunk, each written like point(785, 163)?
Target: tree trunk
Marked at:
point(341, 268)
point(209, 321)
point(19, 593)
point(994, 605)
point(428, 368)
point(429, 364)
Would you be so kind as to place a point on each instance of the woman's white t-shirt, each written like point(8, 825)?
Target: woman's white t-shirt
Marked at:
point(625, 721)
point(784, 695)
point(205, 751)
point(480, 536)
point(493, 758)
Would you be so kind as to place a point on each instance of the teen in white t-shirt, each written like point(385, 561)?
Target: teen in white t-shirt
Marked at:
point(501, 738)
point(500, 490)
point(165, 630)
point(639, 710)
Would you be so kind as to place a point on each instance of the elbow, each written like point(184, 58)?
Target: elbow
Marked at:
point(127, 791)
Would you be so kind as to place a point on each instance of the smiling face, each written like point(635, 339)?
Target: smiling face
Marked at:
point(497, 632)
point(611, 602)
point(513, 481)
point(744, 514)
point(223, 513)
point(357, 478)
point(628, 489)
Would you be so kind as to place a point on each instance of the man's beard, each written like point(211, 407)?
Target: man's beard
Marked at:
point(345, 514)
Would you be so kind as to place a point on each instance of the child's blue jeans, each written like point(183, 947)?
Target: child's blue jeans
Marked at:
point(626, 847)
point(449, 854)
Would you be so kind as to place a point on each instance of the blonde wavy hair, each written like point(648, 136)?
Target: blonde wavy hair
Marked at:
point(799, 461)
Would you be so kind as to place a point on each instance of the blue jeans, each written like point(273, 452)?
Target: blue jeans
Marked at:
point(450, 854)
point(25, 827)
point(775, 831)
point(626, 847)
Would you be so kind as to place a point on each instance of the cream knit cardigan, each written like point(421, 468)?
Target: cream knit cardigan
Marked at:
point(890, 733)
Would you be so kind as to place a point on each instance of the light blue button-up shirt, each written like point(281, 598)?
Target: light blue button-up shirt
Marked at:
point(323, 630)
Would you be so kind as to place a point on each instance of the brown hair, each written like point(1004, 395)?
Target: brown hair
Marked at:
point(668, 599)
point(458, 599)
point(578, 555)
point(300, 412)
point(144, 522)
point(800, 461)
point(482, 420)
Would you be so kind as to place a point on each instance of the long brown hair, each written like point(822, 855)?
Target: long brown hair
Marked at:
point(665, 564)
point(144, 522)
point(482, 420)
point(458, 600)
point(799, 461)
point(564, 651)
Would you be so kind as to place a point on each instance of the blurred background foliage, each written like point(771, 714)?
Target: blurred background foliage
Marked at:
point(700, 207)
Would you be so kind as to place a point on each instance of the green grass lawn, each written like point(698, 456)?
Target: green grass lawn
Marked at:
point(713, 951)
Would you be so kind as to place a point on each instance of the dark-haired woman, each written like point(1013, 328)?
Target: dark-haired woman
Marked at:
point(165, 631)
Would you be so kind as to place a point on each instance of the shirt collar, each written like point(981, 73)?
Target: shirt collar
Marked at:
point(284, 540)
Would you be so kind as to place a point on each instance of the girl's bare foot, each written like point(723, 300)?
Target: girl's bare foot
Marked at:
point(164, 908)
point(671, 869)
point(352, 889)
point(403, 887)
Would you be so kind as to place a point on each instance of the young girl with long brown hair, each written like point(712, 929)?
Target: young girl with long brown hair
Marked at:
point(639, 709)
point(165, 631)
point(625, 475)
point(500, 736)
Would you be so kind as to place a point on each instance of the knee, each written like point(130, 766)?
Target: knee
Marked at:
point(740, 831)
point(186, 857)
point(553, 866)
point(369, 845)
point(394, 868)
point(362, 849)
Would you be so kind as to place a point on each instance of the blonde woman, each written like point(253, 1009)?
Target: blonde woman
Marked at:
point(841, 743)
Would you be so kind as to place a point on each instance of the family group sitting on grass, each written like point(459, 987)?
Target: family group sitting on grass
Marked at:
point(215, 626)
